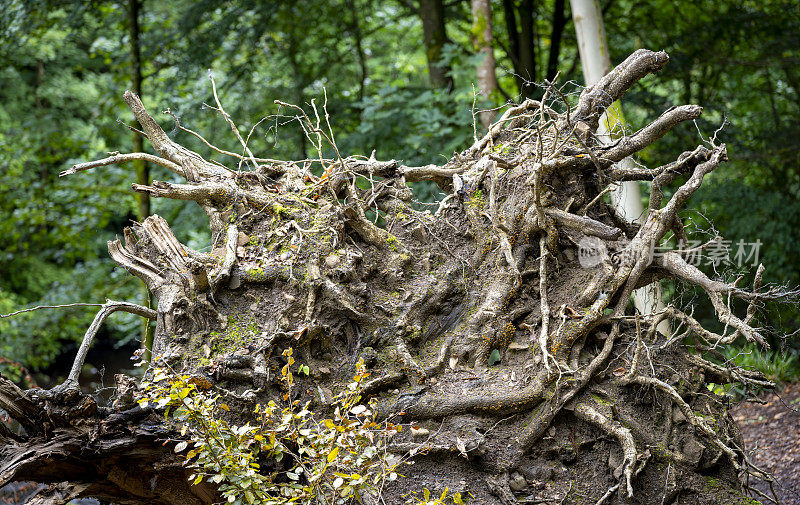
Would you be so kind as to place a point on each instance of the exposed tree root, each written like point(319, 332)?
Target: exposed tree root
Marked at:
point(589, 413)
point(431, 303)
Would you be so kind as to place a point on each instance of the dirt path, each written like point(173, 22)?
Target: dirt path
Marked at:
point(772, 436)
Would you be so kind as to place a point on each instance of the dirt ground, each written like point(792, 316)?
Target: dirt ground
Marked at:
point(772, 436)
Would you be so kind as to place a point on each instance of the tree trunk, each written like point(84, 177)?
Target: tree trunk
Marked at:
point(434, 36)
point(140, 166)
point(482, 43)
point(527, 52)
point(596, 63)
point(361, 56)
point(142, 169)
point(557, 31)
point(299, 89)
point(508, 352)
point(521, 45)
point(510, 16)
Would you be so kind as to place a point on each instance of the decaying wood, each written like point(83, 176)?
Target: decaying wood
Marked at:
point(82, 449)
point(477, 319)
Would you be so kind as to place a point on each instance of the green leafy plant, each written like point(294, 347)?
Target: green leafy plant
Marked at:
point(289, 456)
point(444, 499)
point(778, 366)
point(16, 372)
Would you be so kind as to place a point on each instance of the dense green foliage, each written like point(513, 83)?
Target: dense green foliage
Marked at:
point(287, 455)
point(66, 63)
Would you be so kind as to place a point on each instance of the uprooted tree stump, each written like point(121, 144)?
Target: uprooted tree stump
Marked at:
point(478, 322)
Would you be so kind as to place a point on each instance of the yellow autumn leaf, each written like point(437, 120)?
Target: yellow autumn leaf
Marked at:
point(332, 455)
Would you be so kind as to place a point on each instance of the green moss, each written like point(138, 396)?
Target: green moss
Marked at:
point(229, 208)
point(726, 495)
point(416, 333)
point(479, 25)
point(599, 399)
point(504, 149)
point(262, 274)
point(240, 332)
point(392, 240)
point(477, 201)
point(279, 209)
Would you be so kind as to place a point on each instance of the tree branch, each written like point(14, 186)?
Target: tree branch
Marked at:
point(107, 309)
point(597, 98)
point(122, 158)
point(626, 146)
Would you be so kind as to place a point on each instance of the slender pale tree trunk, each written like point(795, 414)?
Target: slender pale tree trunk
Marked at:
point(596, 63)
point(482, 41)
